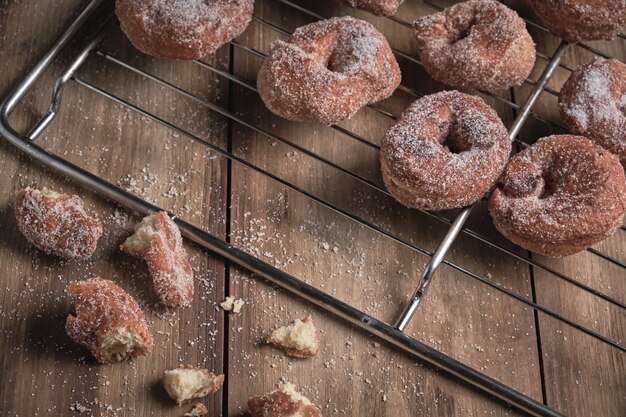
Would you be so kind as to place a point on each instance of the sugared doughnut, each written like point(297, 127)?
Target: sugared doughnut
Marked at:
point(592, 104)
point(157, 240)
point(445, 152)
point(327, 71)
point(560, 196)
point(182, 29)
point(377, 7)
point(56, 223)
point(578, 20)
point(108, 321)
point(479, 43)
point(283, 402)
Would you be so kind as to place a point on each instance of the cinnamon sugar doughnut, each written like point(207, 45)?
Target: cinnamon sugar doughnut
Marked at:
point(592, 104)
point(577, 20)
point(479, 43)
point(377, 7)
point(108, 321)
point(560, 196)
point(327, 71)
point(283, 402)
point(445, 152)
point(182, 29)
point(56, 223)
point(157, 240)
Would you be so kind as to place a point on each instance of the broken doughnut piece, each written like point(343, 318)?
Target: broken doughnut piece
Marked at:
point(298, 339)
point(284, 402)
point(197, 411)
point(184, 384)
point(56, 223)
point(157, 240)
point(108, 321)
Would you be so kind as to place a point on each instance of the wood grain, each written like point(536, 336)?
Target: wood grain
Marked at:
point(327, 220)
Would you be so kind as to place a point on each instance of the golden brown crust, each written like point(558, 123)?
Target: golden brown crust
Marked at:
point(592, 104)
point(167, 260)
point(280, 404)
point(327, 71)
point(578, 20)
point(182, 29)
point(56, 223)
point(445, 152)
point(478, 43)
point(560, 196)
point(310, 346)
point(377, 7)
point(103, 309)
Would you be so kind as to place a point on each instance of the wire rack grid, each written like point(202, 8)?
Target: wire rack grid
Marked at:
point(393, 333)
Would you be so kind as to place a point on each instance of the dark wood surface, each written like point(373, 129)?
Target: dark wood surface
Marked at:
point(44, 373)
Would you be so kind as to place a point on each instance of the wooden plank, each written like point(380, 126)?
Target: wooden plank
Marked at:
point(43, 372)
point(359, 265)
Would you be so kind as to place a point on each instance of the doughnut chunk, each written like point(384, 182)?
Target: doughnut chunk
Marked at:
point(560, 196)
point(185, 384)
point(478, 43)
point(377, 7)
point(56, 223)
point(108, 321)
point(592, 104)
point(284, 402)
point(445, 152)
point(182, 29)
point(578, 20)
point(327, 71)
point(157, 240)
point(298, 339)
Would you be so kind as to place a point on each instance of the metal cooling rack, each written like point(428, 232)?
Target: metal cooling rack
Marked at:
point(392, 333)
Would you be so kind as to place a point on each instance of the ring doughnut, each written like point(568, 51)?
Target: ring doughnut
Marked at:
point(446, 151)
point(592, 103)
point(182, 29)
point(377, 7)
point(577, 20)
point(327, 71)
point(560, 196)
point(479, 43)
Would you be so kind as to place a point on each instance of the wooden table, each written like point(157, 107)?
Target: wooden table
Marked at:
point(43, 373)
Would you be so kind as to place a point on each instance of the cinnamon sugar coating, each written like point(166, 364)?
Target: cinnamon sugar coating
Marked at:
point(327, 71)
point(478, 43)
point(578, 20)
point(560, 196)
point(445, 152)
point(377, 7)
point(592, 104)
point(108, 321)
point(182, 29)
point(56, 223)
point(284, 402)
point(157, 240)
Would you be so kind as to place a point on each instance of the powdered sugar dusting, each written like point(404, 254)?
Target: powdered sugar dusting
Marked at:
point(327, 71)
point(592, 103)
point(446, 151)
point(57, 223)
point(560, 196)
point(478, 43)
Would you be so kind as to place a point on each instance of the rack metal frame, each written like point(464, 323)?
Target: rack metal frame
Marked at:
point(393, 334)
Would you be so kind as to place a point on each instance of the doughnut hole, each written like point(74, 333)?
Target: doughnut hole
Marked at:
point(523, 179)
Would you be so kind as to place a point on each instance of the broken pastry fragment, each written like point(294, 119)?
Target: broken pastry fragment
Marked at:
point(298, 339)
point(184, 384)
point(284, 402)
point(157, 240)
point(108, 321)
point(198, 410)
point(56, 223)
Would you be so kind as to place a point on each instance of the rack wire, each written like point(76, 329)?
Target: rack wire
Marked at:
point(393, 333)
